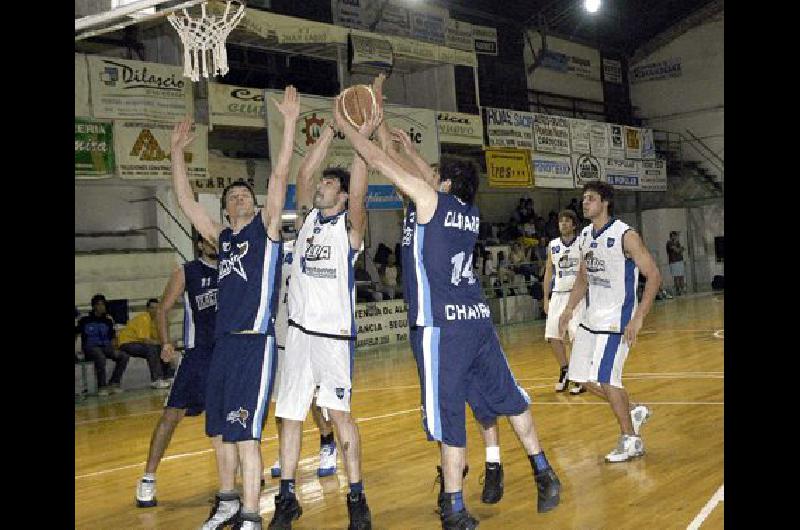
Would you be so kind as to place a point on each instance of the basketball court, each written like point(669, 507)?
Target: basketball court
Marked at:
point(676, 368)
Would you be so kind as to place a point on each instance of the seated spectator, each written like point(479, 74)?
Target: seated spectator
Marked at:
point(139, 338)
point(382, 254)
point(389, 279)
point(505, 274)
point(97, 331)
point(540, 251)
point(510, 231)
point(530, 213)
point(551, 226)
point(489, 273)
point(365, 286)
point(539, 223)
point(520, 213)
point(519, 261)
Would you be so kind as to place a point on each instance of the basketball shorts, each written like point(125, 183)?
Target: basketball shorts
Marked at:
point(598, 357)
point(676, 268)
point(276, 385)
point(240, 379)
point(458, 364)
point(189, 387)
point(311, 361)
point(558, 301)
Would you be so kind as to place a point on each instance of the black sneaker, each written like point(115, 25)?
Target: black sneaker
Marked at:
point(492, 483)
point(287, 509)
point(247, 522)
point(441, 501)
point(563, 382)
point(576, 389)
point(357, 509)
point(462, 520)
point(548, 490)
point(224, 512)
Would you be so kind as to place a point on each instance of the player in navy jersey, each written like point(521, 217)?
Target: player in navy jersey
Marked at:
point(243, 361)
point(196, 281)
point(612, 254)
point(458, 354)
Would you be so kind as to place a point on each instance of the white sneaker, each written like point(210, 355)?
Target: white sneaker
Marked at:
point(276, 469)
point(327, 460)
point(627, 447)
point(160, 384)
point(146, 493)
point(222, 513)
point(639, 416)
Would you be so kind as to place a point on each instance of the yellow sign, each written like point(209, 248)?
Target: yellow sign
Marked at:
point(509, 168)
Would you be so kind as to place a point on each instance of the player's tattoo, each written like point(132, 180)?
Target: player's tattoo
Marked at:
point(346, 446)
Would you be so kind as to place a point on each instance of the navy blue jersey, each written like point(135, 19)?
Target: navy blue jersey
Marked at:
point(199, 303)
point(438, 283)
point(249, 278)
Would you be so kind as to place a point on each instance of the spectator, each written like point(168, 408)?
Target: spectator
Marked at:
point(365, 287)
point(539, 254)
point(551, 226)
point(539, 223)
point(97, 331)
point(389, 279)
point(520, 212)
point(382, 254)
point(489, 273)
point(505, 275)
point(139, 338)
point(676, 267)
point(575, 207)
point(519, 261)
point(530, 213)
point(510, 231)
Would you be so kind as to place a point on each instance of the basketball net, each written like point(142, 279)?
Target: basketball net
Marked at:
point(204, 39)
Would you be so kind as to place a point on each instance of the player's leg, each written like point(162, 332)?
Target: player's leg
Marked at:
point(327, 444)
point(493, 468)
point(557, 303)
point(120, 359)
point(162, 434)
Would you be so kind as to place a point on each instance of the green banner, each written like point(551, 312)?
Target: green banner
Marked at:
point(94, 148)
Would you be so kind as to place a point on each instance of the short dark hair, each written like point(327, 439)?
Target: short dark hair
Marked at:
point(463, 177)
point(99, 298)
point(236, 184)
point(151, 301)
point(338, 173)
point(673, 233)
point(569, 214)
point(604, 189)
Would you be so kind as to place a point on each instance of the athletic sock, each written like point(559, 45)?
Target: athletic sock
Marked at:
point(287, 488)
point(539, 462)
point(455, 502)
point(356, 489)
point(326, 439)
point(149, 476)
point(493, 454)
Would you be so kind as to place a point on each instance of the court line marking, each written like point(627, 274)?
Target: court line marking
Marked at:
point(210, 449)
point(715, 499)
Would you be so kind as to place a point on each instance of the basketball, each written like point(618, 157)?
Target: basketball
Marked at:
point(357, 104)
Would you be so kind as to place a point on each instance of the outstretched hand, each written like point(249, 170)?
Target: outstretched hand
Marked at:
point(290, 107)
point(182, 134)
point(401, 137)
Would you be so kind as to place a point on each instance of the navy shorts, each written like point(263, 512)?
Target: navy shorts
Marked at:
point(240, 379)
point(458, 364)
point(189, 388)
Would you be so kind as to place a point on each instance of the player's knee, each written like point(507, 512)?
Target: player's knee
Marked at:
point(173, 415)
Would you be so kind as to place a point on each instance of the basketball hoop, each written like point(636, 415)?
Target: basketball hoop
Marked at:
point(204, 37)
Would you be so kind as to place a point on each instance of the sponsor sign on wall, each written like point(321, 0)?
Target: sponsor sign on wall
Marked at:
point(236, 105)
point(459, 35)
point(622, 173)
point(381, 323)
point(551, 134)
point(509, 128)
point(509, 168)
point(587, 168)
point(580, 135)
point(648, 144)
point(485, 39)
point(655, 71)
point(616, 141)
point(368, 51)
point(123, 89)
point(552, 171)
point(460, 128)
point(142, 150)
point(94, 148)
point(612, 71)
point(653, 175)
point(633, 142)
point(428, 23)
point(598, 138)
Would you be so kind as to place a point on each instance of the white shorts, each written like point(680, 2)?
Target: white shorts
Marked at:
point(598, 357)
point(310, 361)
point(558, 301)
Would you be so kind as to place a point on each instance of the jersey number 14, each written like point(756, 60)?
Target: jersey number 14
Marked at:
point(459, 272)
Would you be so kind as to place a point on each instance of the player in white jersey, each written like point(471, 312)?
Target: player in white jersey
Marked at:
point(327, 445)
point(563, 260)
point(320, 341)
point(612, 254)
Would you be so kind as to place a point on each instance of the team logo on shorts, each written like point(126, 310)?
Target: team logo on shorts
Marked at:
point(340, 393)
point(240, 416)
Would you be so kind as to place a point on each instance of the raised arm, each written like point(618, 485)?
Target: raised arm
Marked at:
point(418, 190)
point(198, 216)
point(426, 172)
point(548, 276)
point(634, 249)
point(305, 174)
point(276, 189)
point(172, 292)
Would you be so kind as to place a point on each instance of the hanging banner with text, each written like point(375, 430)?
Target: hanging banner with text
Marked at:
point(381, 323)
point(82, 107)
point(509, 168)
point(551, 134)
point(123, 89)
point(460, 128)
point(598, 138)
point(580, 135)
point(587, 168)
point(616, 141)
point(485, 38)
point(142, 150)
point(648, 144)
point(552, 171)
point(633, 142)
point(236, 106)
point(316, 112)
point(656, 71)
point(509, 128)
point(612, 71)
point(94, 149)
point(653, 175)
point(622, 173)
point(459, 35)
point(223, 171)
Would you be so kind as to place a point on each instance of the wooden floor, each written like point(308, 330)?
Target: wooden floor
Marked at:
point(676, 367)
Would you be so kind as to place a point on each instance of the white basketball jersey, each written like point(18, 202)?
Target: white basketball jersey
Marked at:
point(282, 316)
point(613, 278)
point(566, 261)
point(322, 284)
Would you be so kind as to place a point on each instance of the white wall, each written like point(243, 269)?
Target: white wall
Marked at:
point(657, 224)
point(565, 83)
point(695, 100)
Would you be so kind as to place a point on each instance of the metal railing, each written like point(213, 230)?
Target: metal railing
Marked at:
point(166, 210)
